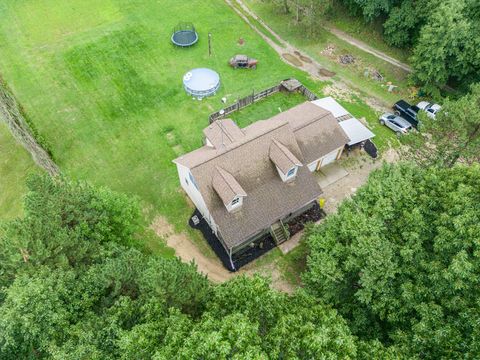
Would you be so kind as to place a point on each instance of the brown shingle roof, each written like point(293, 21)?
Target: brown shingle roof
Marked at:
point(206, 153)
point(307, 132)
point(316, 130)
point(226, 186)
point(282, 157)
point(269, 198)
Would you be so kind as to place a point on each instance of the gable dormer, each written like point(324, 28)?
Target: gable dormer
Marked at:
point(285, 161)
point(228, 189)
point(222, 133)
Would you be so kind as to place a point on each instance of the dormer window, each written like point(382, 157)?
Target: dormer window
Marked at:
point(235, 204)
point(292, 172)
point(222, 133)
point(285, 161)
point(192, 180)
point(228, 189)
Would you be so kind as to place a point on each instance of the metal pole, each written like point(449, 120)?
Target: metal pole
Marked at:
point(209, 44)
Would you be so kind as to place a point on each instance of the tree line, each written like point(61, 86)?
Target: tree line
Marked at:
point(400, 261)
point(73, 285)
point(393, 275)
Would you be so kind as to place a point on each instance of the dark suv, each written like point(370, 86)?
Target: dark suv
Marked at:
point(407, 111)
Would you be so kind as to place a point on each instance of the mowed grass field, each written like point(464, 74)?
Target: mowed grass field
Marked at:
point(102, 83)
point(15, 166)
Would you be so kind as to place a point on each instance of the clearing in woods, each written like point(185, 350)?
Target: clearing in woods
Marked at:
point(102, 84)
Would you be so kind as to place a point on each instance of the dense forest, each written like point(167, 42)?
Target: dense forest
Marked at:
point(395, 274)
point(73, 287)
point(444, 35)
point(400, 261)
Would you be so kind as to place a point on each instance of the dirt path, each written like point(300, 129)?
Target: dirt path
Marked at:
point(288, 53)
point(294, 57)
point(367, 48)
point(187, 251)
point(358, 171)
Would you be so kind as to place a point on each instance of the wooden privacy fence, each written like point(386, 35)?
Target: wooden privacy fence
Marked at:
point(289, 85)
point(12, 114)
point(309, 95)
point(243, 102)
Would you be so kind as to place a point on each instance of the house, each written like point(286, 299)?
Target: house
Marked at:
point(247, 182)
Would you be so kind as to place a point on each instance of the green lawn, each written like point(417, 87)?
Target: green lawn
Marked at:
point(266, 108)
point(315, 47)
point(102, 83)
point(294, 263)
point(15, 165)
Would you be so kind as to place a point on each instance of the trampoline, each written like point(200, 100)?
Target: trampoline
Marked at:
point(184, 35)
point(201, 82)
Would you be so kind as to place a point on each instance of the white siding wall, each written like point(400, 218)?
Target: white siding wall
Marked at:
point(194, 195)
point(284, 176)
point(313, 166)
point(327, 159)
point(237, 206)
point(331, 157)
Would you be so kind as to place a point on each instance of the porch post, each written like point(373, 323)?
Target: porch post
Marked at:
point(230, 256)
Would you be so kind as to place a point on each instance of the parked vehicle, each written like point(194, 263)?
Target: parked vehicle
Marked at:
point(407, 111)
point(396, 123)
point(430, 108)
point(243, 62)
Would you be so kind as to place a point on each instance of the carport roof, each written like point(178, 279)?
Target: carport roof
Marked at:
point(356, 131)
point(330, 104)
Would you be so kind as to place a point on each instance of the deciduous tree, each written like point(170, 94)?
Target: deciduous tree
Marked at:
point(446, 46)
point(453, 136)
point(400, 261)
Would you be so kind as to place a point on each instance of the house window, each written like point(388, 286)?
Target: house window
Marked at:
point(192, 180)
point(235, 201)
point(186, 180)
point(291, 172)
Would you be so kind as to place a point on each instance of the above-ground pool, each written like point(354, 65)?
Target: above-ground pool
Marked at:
point(184, 35)
point(201, 82)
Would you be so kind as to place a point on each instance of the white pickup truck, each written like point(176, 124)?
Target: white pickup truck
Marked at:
point(429, 108)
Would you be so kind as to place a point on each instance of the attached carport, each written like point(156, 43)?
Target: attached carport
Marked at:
point(356, 131)
point(330, 104)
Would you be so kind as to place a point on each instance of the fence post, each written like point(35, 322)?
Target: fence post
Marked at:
point(250, 99)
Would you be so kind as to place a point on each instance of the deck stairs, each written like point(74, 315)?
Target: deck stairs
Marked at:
point(279, 232)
